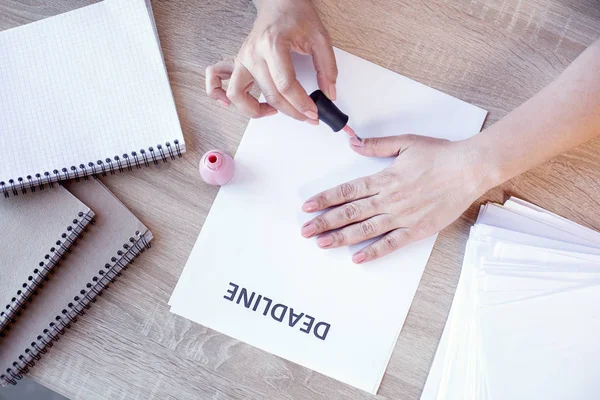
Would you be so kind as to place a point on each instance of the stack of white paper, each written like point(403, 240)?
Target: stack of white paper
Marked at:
point(525, 320)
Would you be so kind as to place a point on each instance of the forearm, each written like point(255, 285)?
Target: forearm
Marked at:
point(563, 115)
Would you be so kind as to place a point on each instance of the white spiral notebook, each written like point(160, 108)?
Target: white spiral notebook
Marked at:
point(82, 93)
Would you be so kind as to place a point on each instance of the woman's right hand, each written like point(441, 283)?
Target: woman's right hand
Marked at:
point(281, 26)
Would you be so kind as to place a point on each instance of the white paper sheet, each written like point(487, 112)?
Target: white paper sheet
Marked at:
point(252, 234)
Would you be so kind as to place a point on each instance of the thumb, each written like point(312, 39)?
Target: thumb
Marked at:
point(389, 146)
point(325, 65)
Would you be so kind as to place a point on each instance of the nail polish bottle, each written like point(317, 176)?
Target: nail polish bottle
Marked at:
point(216, 167)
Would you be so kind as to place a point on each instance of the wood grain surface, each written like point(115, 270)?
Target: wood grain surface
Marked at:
point(492, 53)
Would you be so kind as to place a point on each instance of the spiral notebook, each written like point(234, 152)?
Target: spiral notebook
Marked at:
point(82, 93)
point(115, 239)
point(35, 233)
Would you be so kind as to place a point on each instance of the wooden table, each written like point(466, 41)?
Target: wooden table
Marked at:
point(492, 53)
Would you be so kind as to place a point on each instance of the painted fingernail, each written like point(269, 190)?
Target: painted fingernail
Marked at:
point(354, 141)
point(312, 114)
point(359, 257)
point(309, 206)
point(325, 241)
point(309, 230)
point(332, 92)
point(312, 121)
point(223, 103)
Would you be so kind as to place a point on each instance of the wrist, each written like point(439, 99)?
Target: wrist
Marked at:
point(484, 169)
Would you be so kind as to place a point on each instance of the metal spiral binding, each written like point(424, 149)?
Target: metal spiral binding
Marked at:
point(40, 181)
point(40, 274)
point(101, 281)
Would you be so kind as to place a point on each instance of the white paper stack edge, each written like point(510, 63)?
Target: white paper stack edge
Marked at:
point(525, 320)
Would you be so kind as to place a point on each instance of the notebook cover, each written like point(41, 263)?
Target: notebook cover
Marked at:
point(35, 233)
point(114, 240)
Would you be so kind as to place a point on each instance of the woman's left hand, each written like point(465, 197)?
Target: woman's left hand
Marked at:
point(428, 186)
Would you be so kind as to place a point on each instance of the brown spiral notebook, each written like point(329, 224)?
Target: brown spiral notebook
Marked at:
point(35, 233)
point(114, 240)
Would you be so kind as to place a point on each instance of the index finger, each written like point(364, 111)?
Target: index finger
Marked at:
point(215, 74)
point(284, 77)
point(349, 191)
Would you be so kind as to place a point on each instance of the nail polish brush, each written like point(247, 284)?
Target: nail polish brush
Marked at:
point(331, 114)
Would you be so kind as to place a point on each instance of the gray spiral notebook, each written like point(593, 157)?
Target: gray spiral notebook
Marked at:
point(35, 233)
point(115, 239)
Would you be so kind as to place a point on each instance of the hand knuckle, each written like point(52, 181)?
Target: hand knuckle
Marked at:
point(374, 202)
point(321, 200)
point(284, 85)
point(333, 71)
point(338, 237)
point(371, 252)
point(368, 228)
point(346, 191)
point(384, 178)
point(368, 183)
point(426, 227)
point(321, 223)
point(376, 142)
point(410, 137)
point(391, 242)
point(269, 34)
point(351, 212)
point(273, 99)
point(394, 197)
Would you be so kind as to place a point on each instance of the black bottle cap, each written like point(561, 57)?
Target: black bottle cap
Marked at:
point(328, 111)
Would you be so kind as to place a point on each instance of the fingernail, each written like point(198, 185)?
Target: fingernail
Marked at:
point(325, 241)
point(223, 103)
point(354, 141)
point(332, 92)
point(312, 121)
point(312, 114)
point(309, 230)
point(359, 257)
point(272, 112)
point(309, 206)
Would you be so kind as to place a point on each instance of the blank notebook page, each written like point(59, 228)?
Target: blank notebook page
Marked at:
point(83, 87)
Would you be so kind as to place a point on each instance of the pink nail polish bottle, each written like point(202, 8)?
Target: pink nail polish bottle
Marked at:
point(216, 167)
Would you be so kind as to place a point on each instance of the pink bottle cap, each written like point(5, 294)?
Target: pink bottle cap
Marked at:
point(216, 167)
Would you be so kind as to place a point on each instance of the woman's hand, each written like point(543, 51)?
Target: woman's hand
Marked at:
point(428, 186)
point(281, 27)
